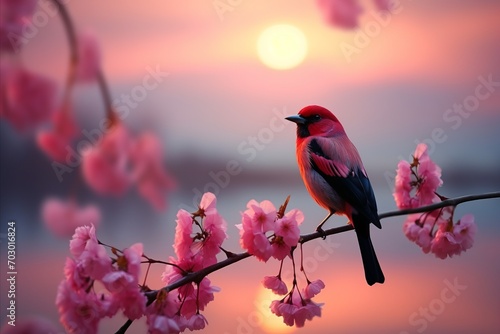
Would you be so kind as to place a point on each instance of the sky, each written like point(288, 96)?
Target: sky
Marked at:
point(216, 102)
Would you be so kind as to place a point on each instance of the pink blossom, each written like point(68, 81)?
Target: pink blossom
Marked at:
point(204, 245)
point(208, 203)
point(55, 142)
point(418, 232)
point(148, 170)
point(118, 281)
point(274, 307)
point(301, 315)
point(106, 165)
point(132, 260)
point(262, 215)
point(287, 311)
point(295, 309)
point(83, 235)
point(465, 231)
point(194, 297)
point(403, 185)
point(27, 98)
point(215, 233)
point(95, 260)
point(189, 293)
point(286, 234)
point(256, 243)
point(275, 284)
point(421, 152)
point(416, 183)
point(258, 219)
point(75, 275)
point(166, 303)
point(183, 230)
point(133, 303)
point(205, 294)
point(109, 305)
point(14, 16)
point(430, 174)
point(172, 274)
point(444, 244)
point(288, 227)
point(196, 322)
point(313, 288)
point(80, 312)
point(280, 249)
point(160, 324)
point(89, 57)
point(62, 217)
point(307, 312)
point(341, 13)
point(123, 283)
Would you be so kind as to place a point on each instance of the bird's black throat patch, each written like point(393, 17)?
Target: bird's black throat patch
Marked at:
point(302, 131)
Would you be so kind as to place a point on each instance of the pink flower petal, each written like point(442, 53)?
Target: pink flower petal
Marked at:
point(105, 166)
point(341, 13)
point(27, 98)
point(148, 171)
point(62, 217)
point(55, 142)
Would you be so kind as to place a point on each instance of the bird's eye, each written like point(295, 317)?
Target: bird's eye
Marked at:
point(316, 117)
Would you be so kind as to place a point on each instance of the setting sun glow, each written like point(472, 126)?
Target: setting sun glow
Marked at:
point(271, 323)
point(282, 46)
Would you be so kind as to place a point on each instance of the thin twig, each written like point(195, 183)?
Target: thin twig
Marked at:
point(125, 326)
point(449, 202)
point(73, 49)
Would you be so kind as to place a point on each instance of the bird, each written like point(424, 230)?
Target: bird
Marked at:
point(335, 177)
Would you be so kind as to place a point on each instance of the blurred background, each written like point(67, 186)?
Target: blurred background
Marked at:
point(394, 81)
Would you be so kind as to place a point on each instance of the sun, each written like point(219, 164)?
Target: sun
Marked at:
point(282, 46)
point(270, 322)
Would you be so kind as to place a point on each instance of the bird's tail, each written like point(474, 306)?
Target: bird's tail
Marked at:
point(373, 272)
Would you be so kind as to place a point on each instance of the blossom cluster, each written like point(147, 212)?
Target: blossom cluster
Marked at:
point(265, 232)
point(345, 13)
point(297, 306)
point(118, 160)
point(178, 310)
point(416, 185)
point(97, 285)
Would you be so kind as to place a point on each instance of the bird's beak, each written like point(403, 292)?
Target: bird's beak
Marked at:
point(296, 119)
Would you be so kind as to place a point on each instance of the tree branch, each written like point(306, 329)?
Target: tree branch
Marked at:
point(449, 202)
point(198, 276)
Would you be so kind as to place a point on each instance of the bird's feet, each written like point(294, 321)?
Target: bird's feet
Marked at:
point(320, 230)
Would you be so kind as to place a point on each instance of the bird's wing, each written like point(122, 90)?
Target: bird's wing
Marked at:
point(351, 184)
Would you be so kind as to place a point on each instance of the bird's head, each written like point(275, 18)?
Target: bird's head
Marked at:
point(316, 121)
